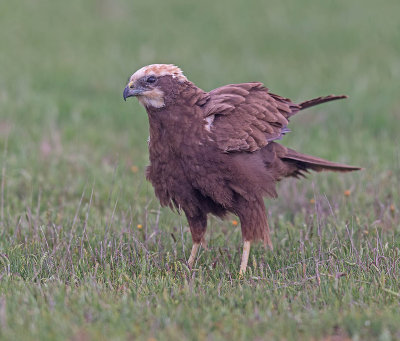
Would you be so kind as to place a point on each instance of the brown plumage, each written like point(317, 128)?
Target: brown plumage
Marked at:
point(215, 152)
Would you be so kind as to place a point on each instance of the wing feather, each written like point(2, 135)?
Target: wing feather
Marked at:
point(246, 116)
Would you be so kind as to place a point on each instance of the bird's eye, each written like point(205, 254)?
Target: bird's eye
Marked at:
point(151, 79)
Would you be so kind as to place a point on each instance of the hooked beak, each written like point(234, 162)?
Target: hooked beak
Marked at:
point(130, 91)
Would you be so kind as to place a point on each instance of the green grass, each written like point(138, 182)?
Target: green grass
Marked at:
point(73, 263)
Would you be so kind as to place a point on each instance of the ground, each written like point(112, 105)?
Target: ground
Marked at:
point(86, 253)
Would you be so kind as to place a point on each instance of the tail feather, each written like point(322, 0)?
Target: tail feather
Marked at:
point(319, 100)
point(304, 163)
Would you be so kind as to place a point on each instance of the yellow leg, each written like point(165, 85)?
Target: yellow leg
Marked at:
point(245, 257)
point(192, 257)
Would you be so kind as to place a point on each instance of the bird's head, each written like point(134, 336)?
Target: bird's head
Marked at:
point(152, 83)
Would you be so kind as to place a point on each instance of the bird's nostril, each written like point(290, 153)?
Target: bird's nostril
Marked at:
point(130, 85)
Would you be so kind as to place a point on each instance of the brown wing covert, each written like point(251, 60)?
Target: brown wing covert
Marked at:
point(245, 117)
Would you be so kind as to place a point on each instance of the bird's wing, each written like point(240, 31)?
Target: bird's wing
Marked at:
point(245, 117)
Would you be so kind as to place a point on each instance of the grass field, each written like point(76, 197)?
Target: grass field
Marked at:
point(86, 253)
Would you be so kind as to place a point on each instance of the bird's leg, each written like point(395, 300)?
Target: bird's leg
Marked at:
point(192, 257)
point(245, 257)
point(198, 225)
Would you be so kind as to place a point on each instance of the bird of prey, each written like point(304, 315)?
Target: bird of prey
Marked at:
point(216, 152)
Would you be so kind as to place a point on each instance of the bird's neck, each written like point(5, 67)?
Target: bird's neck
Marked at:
point(179, 122)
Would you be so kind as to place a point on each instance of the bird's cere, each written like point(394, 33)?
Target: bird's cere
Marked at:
point(159, 70)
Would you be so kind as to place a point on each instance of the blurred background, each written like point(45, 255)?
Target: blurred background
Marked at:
point(64, 66)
